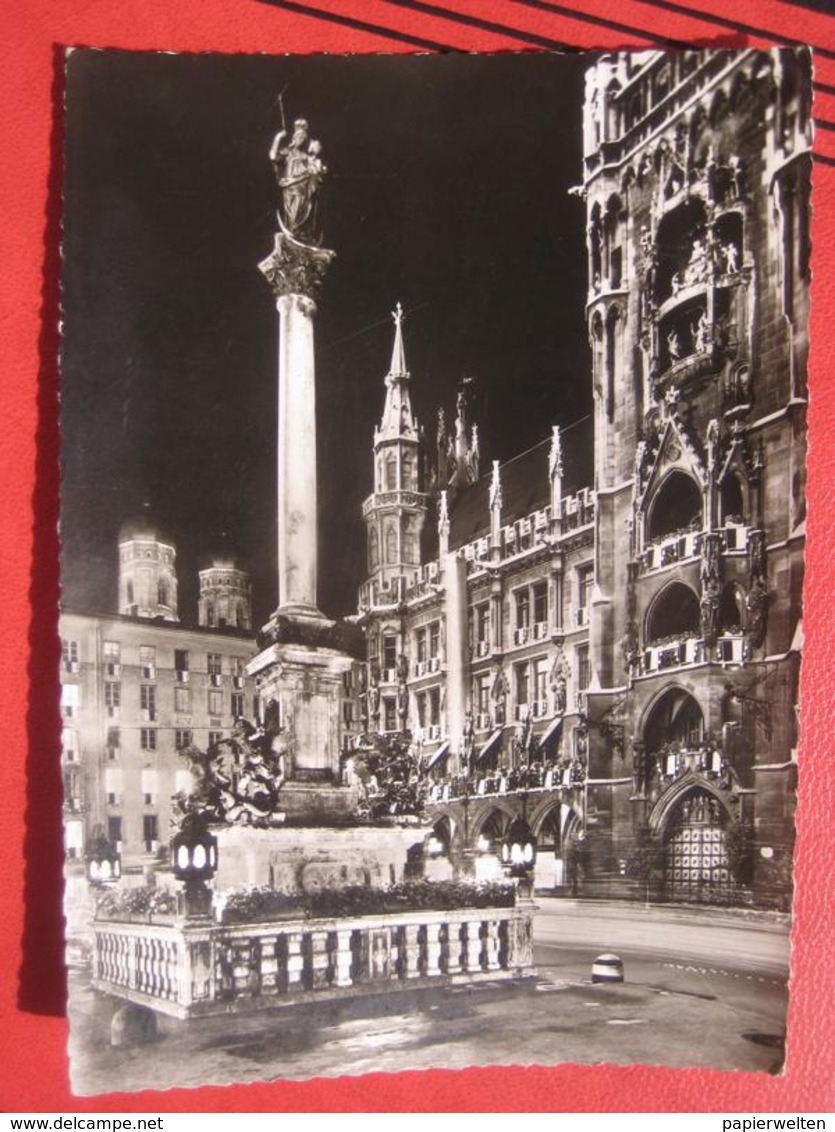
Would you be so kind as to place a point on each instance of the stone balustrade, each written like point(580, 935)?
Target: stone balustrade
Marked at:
point(198, 967)
point(686, 545)
point(526, 780)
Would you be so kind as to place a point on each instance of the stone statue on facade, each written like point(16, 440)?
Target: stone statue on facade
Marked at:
point(756, 604)
point(498, 694)
point(709, 606)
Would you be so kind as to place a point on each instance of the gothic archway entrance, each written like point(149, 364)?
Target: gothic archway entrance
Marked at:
point(697, 867)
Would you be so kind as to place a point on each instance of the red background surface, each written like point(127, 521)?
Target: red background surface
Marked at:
point(33, 1035)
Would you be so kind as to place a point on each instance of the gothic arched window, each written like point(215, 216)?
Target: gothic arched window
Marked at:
point(407, 472)
point(677, 506)
point(391, 545)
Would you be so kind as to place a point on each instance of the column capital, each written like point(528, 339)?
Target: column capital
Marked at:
point(294, 268)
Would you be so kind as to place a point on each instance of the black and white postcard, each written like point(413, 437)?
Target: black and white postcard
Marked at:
point(433, 524)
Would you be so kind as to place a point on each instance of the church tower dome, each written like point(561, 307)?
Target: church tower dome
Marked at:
point(147, 569)
point(225, 597)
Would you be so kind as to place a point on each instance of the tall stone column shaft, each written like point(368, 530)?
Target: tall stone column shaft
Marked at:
point(297, 503)
point(295, 272)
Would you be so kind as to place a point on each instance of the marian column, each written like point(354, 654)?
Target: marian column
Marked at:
point(303, 657)
point(295, 271)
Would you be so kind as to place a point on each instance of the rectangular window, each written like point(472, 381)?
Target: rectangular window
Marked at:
point(113, 785)
point(181, 665)
point(421, 646)
point(148, 662)
point(390, 713)
point(237, 705)
point(482, 622)
point(182, 738)
point(182, 701)
point(215, 701)
point(111, 656)
point(420, 703)
point(523, 609)
point(583, 667)
point(214, 669)
point(434, 640)
point(150, 832)
point(150, 786)
point(114, 738)
point(522, 674)
point(114, 828)
point(483, 694)
point(148, 738)
point(585, 581)
point(434, 707)
point(69, 745)
point(540, 692)
point(238, 672)
point(112, 697)
point(389, 651)
point(540, 603)
point(148, 702)
point(69, 655)
point(70, 700)
point(215, 737)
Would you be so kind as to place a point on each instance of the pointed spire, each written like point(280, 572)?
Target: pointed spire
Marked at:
point(398, 353)
point(397, 419)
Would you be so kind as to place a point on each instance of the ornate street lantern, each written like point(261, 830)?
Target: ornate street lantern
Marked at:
point(103, 861)
point(194, 861)
point(194, 850)
point(519, 849)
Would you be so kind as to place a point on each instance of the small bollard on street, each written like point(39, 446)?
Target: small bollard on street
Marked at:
point(607, 968)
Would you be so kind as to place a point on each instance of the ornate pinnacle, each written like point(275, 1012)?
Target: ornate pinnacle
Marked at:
point(443, 514)
point(555, 455)
point(496, 488)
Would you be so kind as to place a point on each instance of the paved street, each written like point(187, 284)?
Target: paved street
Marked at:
point(698, 991)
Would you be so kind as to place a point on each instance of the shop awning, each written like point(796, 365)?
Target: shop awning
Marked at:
point(551, 730)
point(441, 753)
point(490, 745)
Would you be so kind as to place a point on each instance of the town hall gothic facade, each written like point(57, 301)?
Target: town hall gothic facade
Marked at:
point(611, 652)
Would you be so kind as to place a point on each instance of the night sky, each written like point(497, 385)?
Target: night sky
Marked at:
point(447, 190)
